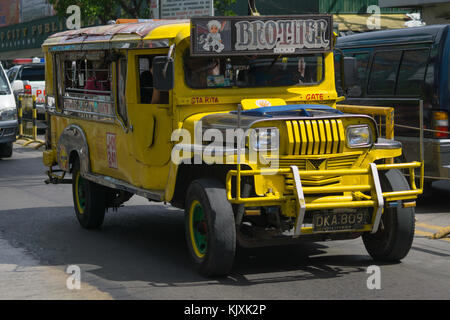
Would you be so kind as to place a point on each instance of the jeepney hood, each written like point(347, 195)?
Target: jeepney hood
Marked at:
point(249, 117)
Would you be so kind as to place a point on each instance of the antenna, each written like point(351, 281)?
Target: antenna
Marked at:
point(252, 11)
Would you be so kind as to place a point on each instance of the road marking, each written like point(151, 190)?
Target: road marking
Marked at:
point(429, 234)
point(428, 226)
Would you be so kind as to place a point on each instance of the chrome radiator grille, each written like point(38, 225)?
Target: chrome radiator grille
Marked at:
point(343, 161)
point(313, 137)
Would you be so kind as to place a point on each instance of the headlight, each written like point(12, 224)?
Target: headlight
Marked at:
point(359, 136)
point(8, 114)
point(264, 139)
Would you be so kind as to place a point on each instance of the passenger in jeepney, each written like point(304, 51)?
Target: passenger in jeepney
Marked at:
point(159, 97)
point(149, 94)
point(98, 79)
point(198, 70)
point(304, 75)
point(301, 70)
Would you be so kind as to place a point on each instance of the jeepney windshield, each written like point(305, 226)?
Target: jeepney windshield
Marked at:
point(253, 71)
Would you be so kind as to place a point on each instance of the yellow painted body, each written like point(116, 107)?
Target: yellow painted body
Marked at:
point(144, 143)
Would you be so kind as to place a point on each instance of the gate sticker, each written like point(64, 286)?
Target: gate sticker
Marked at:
point(111, 150)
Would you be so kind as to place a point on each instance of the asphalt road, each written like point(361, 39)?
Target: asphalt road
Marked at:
point(140, 253)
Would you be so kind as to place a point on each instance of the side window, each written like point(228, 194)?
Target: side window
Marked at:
point(59, 80)
point(148, 94)
point(412, 72)
point(87, 77)
point(383, 74)
point(33, 73)
point(12, 74)
point(145, 79)
point(362, 60)
point(121, 89)
point(86, 82)
point(337, 74)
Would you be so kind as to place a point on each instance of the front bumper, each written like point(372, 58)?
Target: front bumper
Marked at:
point(345, 196)
point(8, 131)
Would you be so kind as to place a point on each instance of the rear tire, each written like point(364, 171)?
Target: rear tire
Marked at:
point(395, 235)
point(210, 228)
point(6, 150)
point(89, 200)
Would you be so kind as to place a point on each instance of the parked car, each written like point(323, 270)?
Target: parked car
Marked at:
point(397, 68)
point(8, 116)
point(30, 79)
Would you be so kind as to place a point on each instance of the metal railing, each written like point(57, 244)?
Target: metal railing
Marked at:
point(28, 125)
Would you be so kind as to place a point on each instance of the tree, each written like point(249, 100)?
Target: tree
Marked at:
point(223, 7)
point(103, 10)
point(133, 8)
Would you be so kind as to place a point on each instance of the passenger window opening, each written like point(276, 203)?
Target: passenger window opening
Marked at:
point(91, 77)
point(148, 93)
point(86, 83)
point(121, 89)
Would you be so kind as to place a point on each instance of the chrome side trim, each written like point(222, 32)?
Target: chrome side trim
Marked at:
point(383, 143)
point(378, 210)
point(124, 186)
point(301, 201)
point(73, 139)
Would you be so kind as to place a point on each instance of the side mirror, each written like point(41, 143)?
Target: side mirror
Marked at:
point(163, 73)
point(350, 72)
point(17, 86)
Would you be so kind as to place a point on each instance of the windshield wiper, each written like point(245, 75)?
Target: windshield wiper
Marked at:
point(273, 62)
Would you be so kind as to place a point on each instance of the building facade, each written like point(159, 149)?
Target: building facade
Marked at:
point(349, 15)
point(25, 24)
point(433, 11)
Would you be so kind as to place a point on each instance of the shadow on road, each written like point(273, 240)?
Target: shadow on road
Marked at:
point(138, 245)
point(22, 165)
point(437, 200)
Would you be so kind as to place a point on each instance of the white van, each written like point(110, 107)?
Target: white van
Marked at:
point(30, 79)
point(8, 116)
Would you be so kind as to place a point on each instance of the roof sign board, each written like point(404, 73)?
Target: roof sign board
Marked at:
point(185, 9)
point(261, 35)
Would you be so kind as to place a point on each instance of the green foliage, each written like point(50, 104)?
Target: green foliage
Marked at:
point(223, 7)
point(103, 10)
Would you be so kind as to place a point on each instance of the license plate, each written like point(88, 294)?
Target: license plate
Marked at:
point(340, 221)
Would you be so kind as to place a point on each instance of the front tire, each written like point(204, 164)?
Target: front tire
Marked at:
point(393, 240)
point(210, 228)
point(89, 200)
point(6, 150)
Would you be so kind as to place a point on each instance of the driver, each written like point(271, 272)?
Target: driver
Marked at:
point(199, 69)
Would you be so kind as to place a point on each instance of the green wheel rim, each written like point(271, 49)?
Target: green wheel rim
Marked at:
point(81, 193)
point(198, 229)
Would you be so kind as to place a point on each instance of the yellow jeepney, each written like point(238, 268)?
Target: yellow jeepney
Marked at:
point(232, 119)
